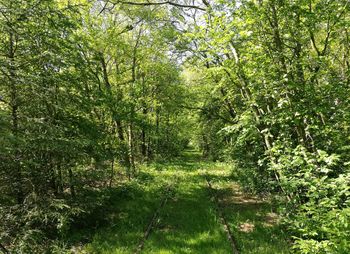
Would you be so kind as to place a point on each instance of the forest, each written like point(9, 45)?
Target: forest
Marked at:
point(175, 126)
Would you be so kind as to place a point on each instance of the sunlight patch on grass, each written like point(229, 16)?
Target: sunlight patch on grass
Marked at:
point(188, 223)
point(254, 224)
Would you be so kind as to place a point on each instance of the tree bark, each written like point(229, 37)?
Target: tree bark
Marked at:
point(71, 182)
point(18, 181)
point(131, 150)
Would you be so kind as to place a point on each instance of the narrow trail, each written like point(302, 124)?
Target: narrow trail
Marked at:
point(188, 223)
point(153, 220)
point(181, 207)
point(224, 222)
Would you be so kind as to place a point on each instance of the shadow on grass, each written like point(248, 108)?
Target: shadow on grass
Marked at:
point(117, 219)
point(188, 224)
point(255, 226)
point(119, 223)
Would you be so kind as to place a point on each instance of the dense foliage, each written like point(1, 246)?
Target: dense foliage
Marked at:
point(279, 108)
point(89, 90)
point(82, 96)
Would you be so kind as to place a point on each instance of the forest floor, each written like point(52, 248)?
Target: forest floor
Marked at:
point(170, 208)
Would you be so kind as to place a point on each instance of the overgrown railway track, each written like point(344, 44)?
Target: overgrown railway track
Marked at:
point(221, 215)
point(168, 192)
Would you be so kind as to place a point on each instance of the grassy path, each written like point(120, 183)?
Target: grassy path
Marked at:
point(189, 224)
point(251, 219)
point(188, 221)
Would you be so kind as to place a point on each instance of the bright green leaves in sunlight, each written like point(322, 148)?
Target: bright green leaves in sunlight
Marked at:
point(87, 90)
point(90, 91)
point(277, 107)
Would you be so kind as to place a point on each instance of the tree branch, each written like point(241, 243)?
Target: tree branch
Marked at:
point(3, 249)
point(3, 100)
point(148, 3)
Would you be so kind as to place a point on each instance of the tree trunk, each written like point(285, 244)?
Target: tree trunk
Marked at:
point(71, 182)
point(18, 181)
point(112, 174)
point(59, 179)
point(131, 151)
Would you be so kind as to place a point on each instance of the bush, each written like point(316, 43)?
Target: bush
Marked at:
point(318, 189)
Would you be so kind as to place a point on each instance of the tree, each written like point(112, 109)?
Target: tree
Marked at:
point(278, 72)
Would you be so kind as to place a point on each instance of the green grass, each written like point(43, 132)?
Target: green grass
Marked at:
point(188, 222)
point(254, 224)
point(133, 212)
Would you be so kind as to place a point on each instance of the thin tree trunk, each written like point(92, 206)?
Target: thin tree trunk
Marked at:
point(59, 179)
point(71, 182)
point(112, 174)
point(143, 135)
point(143, 140)
point(18, 181)
point(149, 148)
point(144, 112)
point(3, 249)
point(120, 131)
point(131, 151)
